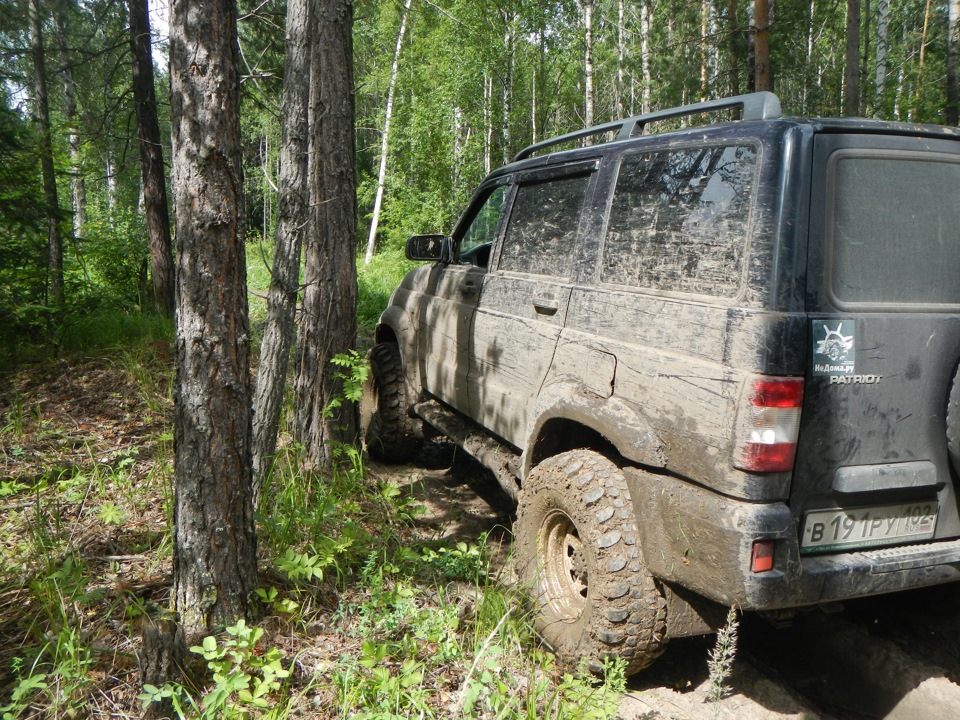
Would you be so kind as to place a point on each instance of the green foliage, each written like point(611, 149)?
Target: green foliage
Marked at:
point(115, 256)
point(722, 656)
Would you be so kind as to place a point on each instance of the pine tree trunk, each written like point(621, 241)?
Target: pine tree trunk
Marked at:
point(763, 78)
point(42, 113)
point(293, 213)
point(328, 321)
point(880, 57)
point(152, 176)
point(215, 549)
point(851, 76)
point(382, 174)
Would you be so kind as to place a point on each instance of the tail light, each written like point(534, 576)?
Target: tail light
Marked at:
point(769, 424)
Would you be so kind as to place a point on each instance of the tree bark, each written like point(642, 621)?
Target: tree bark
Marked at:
point(382, 174)
point(733, 33)
point(646, 25)
point(42, 114)
point(78, 187)
point(953, 55)
point(215, 550)
point(588, 64)
point(328, 321)
point(763, 79)
point(851, 74)
point(293, 212)
point(880, 58)
point(151, 160)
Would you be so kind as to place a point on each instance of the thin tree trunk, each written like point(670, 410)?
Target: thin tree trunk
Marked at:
point(487, 122)
point(215, 548)
point(763, 78)
point(733, 33)
point(152, 175)
point(588, 63)
point(923, 53)
point(704, 73)
point(293, 212)
point(42, 111)
point(880, 58)
point(851, 74)
point(621, 56)
point(78, 188)
point(508, 44)
point(382, 174)
point(646, 23)
point(864, 57)
point(328, 323)
point(953, 54)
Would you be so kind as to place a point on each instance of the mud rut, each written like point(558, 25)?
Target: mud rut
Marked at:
point(895, 656)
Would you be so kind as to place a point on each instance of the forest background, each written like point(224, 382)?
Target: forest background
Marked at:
point(444, 92)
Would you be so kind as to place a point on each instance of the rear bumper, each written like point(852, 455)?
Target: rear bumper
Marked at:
point(703, 541)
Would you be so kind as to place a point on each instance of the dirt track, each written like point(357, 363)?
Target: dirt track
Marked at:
point(894, 657)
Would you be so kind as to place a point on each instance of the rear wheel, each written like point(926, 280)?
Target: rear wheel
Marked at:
point(389, 433)
point(576, 540)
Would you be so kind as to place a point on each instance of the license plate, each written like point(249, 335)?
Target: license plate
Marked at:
point(868, 527)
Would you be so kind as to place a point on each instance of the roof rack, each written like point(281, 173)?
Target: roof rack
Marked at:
point(755, 106)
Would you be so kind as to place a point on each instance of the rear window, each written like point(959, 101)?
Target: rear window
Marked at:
point(894, 228)
point(679, 220)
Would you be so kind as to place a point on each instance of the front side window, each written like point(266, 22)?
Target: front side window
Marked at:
point(894, 227)
point(476, 242)
point(679, 220)
point(543, 226)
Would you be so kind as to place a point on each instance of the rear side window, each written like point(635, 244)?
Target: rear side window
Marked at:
point(679, 220)
point(894, 228)
point(543, 226)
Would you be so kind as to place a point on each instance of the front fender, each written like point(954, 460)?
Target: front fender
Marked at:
point(396, 321)
point(620, 422)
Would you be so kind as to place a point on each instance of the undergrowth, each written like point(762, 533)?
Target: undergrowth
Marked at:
point(365, 615)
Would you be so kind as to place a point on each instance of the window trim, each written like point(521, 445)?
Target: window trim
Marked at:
point(830, 241)
point(737, 297)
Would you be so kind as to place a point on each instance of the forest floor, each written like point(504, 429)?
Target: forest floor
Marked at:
point(102, 517)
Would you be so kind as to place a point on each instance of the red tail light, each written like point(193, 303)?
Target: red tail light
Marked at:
point(769, 425)
point(761, 557)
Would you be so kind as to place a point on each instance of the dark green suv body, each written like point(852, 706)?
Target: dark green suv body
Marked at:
point(716, 366)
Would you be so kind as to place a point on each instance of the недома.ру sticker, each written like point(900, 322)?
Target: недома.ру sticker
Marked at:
point(834, 347)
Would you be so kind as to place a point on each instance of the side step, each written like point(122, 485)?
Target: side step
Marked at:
point(500, 458)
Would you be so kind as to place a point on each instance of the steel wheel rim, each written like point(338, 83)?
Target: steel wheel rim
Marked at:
point(563, 566)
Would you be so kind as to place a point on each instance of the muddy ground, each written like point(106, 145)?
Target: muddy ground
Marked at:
point(894, 657)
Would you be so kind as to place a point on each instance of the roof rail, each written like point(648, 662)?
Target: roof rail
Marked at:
point(755, 106)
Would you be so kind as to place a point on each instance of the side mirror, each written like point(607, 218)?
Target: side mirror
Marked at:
point(430, 247)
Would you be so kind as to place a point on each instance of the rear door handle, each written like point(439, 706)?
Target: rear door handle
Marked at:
point(545, 304)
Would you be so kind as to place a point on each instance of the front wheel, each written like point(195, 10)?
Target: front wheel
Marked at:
point(576, 544)
point(389, 433)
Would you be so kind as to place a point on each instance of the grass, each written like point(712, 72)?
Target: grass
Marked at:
point(366, 614)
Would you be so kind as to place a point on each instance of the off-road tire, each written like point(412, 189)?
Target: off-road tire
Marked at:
point(575, 538)
point(953, 422)
point(389, 433)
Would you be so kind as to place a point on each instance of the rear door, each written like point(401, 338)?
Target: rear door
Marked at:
point(884, 307)
point(524, 299)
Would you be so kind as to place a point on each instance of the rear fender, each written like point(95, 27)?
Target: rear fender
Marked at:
point(620, 423)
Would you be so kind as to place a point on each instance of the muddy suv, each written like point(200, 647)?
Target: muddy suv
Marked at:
point(715, 366)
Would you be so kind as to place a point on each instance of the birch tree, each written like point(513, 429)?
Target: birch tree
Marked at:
point(952, 109)
point(382, 174)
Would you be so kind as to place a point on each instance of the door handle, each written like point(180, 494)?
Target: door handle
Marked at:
point(545, 304)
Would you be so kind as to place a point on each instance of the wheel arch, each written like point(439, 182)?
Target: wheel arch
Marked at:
point(395, 326)
point(569, 418)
